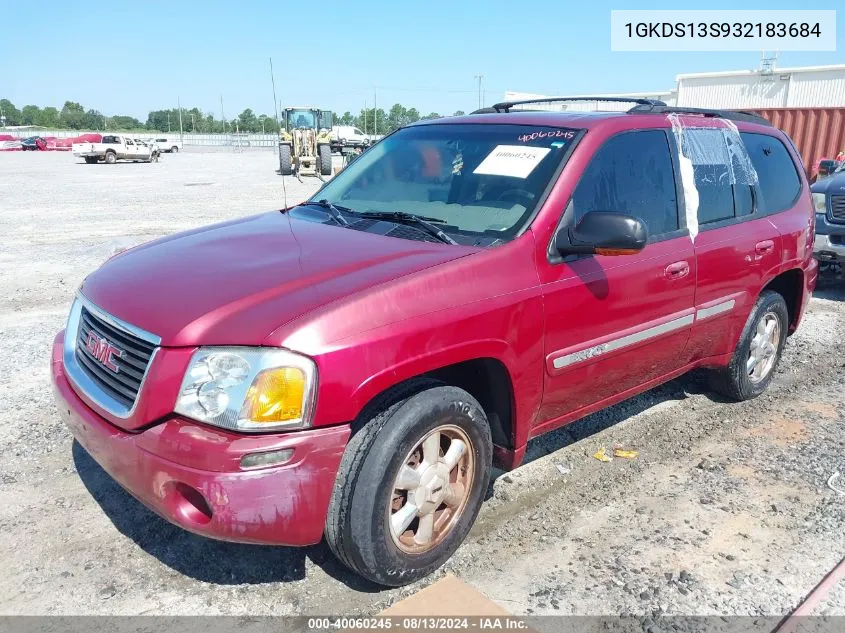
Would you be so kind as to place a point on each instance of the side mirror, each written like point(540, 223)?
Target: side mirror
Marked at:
point(603, 233)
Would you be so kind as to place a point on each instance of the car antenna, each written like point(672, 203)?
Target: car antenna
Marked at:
point(278, 125)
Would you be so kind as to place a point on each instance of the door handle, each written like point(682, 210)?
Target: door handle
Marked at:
point(764, 247)
point(678, 270)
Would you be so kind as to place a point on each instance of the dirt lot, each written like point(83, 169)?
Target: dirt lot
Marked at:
point(725, 511)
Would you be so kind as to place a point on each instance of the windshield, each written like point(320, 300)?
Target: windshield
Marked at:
point(301, 119)
point(480, 180)
point(839, 168)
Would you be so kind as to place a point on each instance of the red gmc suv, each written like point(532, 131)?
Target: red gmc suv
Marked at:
point(350, 367)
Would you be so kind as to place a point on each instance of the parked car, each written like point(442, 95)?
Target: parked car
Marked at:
point(115, 147)
point(826, 167)
point(352, 366)
point(155, 150)
point(350, 136)
point(829, 202)
point(168, 144)
point(33, 144)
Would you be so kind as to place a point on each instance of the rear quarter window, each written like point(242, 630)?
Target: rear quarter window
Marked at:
point(779, 182)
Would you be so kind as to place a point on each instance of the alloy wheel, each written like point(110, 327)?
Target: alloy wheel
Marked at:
point(431, 489)
point(762, 353)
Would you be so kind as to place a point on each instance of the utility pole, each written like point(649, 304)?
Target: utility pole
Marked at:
point(365, 116)
point(480, 91)
point(375, 113)
point(181, 132)
point(275, 102)
point(168, 120)
point(222, 115)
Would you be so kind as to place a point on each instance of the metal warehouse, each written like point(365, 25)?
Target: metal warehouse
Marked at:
point(768, 87)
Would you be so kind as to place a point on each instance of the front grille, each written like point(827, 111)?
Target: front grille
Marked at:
point(837, 208)
point(123, 384)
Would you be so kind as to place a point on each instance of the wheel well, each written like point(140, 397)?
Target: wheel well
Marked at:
point(488, 381)
point(789, 285)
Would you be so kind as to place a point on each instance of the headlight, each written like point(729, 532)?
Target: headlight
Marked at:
point(249, 388)
point(820, 203)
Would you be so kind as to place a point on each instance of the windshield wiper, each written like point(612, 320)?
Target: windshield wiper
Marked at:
point(419, 221)
point(334, 211)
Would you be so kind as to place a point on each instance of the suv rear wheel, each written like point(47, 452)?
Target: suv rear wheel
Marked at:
point(410, 484)
point(759, 349)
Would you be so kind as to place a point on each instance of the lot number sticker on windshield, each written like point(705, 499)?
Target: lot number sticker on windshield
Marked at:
point(516, 161)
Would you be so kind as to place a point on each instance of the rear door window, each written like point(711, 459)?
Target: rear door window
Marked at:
point(632, 173)
point(723, 177)
point(779, 183)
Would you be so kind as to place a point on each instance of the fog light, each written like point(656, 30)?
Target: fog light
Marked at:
point(270, 458)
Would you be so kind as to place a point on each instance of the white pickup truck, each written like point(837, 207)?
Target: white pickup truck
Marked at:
point(115, 147)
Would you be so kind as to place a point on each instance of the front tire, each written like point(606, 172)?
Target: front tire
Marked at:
point(324, 153)
point(410, 484)
point(758, 352)
point(174, 150)
point(285, 161)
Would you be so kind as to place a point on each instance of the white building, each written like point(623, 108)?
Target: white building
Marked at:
point(807, 87)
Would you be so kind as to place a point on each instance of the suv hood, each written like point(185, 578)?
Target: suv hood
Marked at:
point(834, 184)
point(236, 282)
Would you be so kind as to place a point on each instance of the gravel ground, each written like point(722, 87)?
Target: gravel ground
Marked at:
point(725, 511)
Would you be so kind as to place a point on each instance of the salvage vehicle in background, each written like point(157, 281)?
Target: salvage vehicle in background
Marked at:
point(352, 366)
point(349, 136)
point(114, 147)
point(829, 203)
point(168, 144)
point(155, 150)
point(33, 144)
point(826, 167)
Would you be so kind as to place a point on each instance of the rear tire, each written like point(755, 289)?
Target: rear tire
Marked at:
point(758, 351)
point(324, 154)
point(285, 160)
point(410, 483)
point(111, 158)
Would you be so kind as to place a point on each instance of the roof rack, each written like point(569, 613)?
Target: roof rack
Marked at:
point(731, 115)
point(505, 106)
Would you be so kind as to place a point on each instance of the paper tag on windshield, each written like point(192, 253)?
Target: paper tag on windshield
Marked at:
point(516, 161)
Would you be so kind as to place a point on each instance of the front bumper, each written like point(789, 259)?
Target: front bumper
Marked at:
point(190, 474)
point(827, 251)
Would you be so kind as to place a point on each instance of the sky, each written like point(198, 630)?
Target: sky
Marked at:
point(130, 57)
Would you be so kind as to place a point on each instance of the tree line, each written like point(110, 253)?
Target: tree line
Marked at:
point(73, 116)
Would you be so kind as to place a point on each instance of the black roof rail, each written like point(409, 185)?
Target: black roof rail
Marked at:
point(731, 115)
point(505, 106)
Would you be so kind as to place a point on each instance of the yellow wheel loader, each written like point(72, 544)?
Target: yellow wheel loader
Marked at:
point(305, 143)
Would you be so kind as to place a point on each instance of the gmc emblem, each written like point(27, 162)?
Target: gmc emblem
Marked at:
point(103, 351)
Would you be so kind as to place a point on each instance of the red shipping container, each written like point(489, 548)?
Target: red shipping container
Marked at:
point(817, 132)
